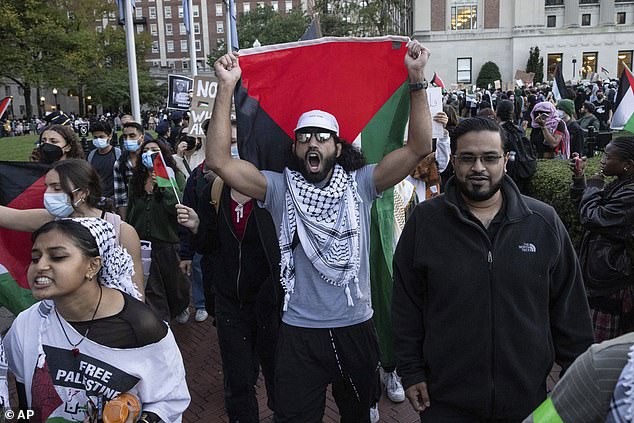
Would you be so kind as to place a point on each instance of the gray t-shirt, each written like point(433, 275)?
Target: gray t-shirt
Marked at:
point(315, 303)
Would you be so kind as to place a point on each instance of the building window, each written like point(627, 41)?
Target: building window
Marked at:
point(138, 12)
point(168, 12)
point(553, 59)
point(196, 11)
point(181, 28)
point(620, 18)
point(185, 64)
point(554, 2)
point(219, 10)
point(153, 29)
point(139, 29)
point(155, 47)
point(152, 12)
point(261, 4)
point(112, 15)
point(464, 70)
point(275, 6)
point(551, 21)
point(99, 28)
point(197, 44)
point(289, 6)
point(220, 27)
point(196, 28)
point(184, 46)
point(464, 17)
point(586, 19)
point(624, 57)
point(168, 29)
point(589, 63)
point(7, 90)
point(170, 46)
point(246, 7)
point(180, 11)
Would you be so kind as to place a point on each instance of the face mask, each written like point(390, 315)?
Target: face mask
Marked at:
point(561, 114)
point(234, 151)
point(58, 204)
point(50, 153)
point(147, 159)
point(100, 142)
point(599, 97)
point(131, 145)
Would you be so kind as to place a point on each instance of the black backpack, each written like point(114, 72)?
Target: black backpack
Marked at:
point(522, 164)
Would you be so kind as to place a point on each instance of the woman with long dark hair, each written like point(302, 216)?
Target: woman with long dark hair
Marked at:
point(607, 243)
point(152, 212)
point(59, 142)
point(89, 338)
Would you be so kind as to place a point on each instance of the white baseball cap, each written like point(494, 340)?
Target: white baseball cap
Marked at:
point(318, 119)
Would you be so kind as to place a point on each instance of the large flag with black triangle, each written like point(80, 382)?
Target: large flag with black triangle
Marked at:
point(623, 118)
point(21, 187)
point(363, 83)
point(559, 84)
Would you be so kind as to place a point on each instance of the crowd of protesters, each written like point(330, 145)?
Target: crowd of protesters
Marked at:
point(488, 290)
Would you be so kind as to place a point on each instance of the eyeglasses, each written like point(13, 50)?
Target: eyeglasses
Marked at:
point(469, 159)
point(304, 137)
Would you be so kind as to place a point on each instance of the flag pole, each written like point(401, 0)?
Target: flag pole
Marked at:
point(192, 39)
point(132, 75)
point(228, 26)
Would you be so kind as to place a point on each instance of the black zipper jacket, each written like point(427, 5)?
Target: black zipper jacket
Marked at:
point(244, 271)
point(483, 321)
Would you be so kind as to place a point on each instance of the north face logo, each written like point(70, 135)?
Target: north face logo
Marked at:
point(527, 247)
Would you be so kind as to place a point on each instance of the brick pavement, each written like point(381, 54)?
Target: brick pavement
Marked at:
point(198, 343)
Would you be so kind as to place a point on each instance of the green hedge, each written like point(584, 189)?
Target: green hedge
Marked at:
point(551, 184)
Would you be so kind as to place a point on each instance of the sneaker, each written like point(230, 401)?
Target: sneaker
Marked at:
point(374, 413)
point(201, 315)
point(183, 317)
point(394, 388)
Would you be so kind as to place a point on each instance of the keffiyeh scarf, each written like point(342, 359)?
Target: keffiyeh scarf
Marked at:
point(326, 221)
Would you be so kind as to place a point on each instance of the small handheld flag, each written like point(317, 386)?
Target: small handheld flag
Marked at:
point(4, 105)
point(164, 174)
point(437, 81)
point(559, 84)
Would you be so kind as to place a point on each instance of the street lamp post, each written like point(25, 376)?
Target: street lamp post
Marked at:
point(574, 64)
point(42, 102)
point(55, 95)
point(88, 105)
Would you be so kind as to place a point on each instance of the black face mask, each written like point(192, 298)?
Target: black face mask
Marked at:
point(50, 153)
point(191, 142)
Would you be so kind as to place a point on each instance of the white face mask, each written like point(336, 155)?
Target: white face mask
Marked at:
point(59, 203)
point(100, 142)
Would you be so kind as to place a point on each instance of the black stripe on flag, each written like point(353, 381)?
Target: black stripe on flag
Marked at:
point(559, 85)
point(260, 139)
point(16, 177)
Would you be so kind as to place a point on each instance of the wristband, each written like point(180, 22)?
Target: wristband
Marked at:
point(416, 86)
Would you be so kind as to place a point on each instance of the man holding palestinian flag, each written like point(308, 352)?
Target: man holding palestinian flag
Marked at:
point(321, 205)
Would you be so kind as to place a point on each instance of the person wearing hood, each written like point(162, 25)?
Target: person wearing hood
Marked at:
point(550, 135)
point(164, 132)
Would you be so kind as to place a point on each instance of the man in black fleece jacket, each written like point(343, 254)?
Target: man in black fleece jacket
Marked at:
point(488, 292)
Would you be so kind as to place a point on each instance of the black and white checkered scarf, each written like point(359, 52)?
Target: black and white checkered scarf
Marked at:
point(327, 223)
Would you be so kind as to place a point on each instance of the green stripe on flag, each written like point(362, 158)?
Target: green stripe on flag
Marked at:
point(546, 413)
point(12, 296)
point(163, 183)
point(382, 135)
point(629, 126)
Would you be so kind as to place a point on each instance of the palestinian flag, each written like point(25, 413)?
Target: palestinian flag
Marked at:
point(21, 187)
point(623, 118)
point(559, 84)
point(164, 174)
point(4, 105)
point(437, 81)
point(363, 83)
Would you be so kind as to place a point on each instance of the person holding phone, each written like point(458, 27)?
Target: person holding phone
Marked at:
point(549, 135)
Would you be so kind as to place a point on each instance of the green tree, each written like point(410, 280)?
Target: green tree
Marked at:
point(535, 64)
point(488, 74)
point(364, 19)
point(270, 27)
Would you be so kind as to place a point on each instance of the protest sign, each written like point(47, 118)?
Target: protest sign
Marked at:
point(205, 89)
point(178, 92)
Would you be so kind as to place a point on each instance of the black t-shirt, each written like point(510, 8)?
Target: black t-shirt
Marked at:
point(133, 327)
point(602, 110)
point(103, 164)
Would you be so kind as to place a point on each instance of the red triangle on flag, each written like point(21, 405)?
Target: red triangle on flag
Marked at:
point(329, 74)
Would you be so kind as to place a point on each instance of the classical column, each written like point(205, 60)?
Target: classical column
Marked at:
point(571, 17)
point(606, 12)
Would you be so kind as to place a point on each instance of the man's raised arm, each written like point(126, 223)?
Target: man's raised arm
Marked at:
point(238, 174)
point(398, 164)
